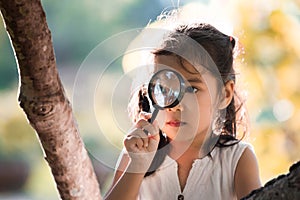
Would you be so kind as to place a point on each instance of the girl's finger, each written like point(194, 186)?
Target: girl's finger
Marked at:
point(139, 143)
point(151, 130)
point(147, 127)
point(145, 115)
point(138, 137)
point(133, 144)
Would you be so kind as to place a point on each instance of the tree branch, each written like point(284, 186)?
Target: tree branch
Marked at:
point(285, 187)
point(42, 98)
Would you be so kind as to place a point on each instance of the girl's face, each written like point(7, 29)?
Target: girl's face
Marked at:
point(191, 119)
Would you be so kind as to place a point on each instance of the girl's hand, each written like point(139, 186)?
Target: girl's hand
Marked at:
point(141, 144)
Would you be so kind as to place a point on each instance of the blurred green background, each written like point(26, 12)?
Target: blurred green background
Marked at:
point(268, 68)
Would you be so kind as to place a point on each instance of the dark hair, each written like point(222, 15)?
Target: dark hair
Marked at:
point(219, 47)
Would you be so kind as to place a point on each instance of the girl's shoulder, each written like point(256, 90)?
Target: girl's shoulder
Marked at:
point(229, 156)
point(235, 150)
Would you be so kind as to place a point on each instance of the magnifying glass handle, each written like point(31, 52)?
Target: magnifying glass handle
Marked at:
point(154, 114)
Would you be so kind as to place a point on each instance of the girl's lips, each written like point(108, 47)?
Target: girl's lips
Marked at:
point(175, 123)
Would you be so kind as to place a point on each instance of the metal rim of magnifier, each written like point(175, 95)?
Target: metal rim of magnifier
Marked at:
point(178, 99)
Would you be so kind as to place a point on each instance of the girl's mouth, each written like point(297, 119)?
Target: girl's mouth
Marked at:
point(175, 123)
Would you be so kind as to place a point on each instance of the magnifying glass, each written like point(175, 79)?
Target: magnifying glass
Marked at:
point(166, 89)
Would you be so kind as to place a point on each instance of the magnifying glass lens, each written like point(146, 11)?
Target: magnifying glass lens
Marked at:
point(165, 88)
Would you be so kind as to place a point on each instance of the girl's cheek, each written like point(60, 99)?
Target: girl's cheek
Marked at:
point(161, 118)
point(190, 101)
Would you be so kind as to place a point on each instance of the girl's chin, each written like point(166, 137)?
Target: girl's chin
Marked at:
point(182, 137)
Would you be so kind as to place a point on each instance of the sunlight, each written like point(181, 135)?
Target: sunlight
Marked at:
point(138, 52)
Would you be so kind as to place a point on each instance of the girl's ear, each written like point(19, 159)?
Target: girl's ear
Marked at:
point(227, 94)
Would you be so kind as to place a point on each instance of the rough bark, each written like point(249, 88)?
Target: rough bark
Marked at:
point(284, 187)
point(48, 110)
point(42, 98)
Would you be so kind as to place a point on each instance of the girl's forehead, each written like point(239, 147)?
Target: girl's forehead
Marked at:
point(181, 65)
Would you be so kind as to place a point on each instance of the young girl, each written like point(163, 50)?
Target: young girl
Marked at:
point(178, 159)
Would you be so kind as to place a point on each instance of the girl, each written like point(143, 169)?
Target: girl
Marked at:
point(194, 153)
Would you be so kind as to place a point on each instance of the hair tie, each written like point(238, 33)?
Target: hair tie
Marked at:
point(230, 38)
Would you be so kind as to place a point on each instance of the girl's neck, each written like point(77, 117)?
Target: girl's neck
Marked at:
point(185, 148)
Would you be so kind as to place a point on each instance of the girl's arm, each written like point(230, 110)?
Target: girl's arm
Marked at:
point(133, 165)
point(246, 176)
point(125, 185)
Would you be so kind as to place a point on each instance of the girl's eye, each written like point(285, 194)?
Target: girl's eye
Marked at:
point(191, 89)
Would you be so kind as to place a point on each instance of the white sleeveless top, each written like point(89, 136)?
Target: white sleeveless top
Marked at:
point(211, 177)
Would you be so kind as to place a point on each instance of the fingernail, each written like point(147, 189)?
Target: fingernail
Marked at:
point(145, 113)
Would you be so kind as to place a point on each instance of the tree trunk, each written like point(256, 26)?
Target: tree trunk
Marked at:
point(48, 110)
point(284, 187)
point(42, 98)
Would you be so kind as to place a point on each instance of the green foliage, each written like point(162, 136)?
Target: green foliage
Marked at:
point(79, 26)
point(18, 140)
point(8, 70)
point(268, 31)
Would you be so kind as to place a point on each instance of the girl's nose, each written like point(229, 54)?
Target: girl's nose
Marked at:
point(178, 107)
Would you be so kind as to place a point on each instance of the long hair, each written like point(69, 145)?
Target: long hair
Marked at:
point(220, 48)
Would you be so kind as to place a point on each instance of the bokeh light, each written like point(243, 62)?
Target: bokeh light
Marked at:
point(267, 68)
